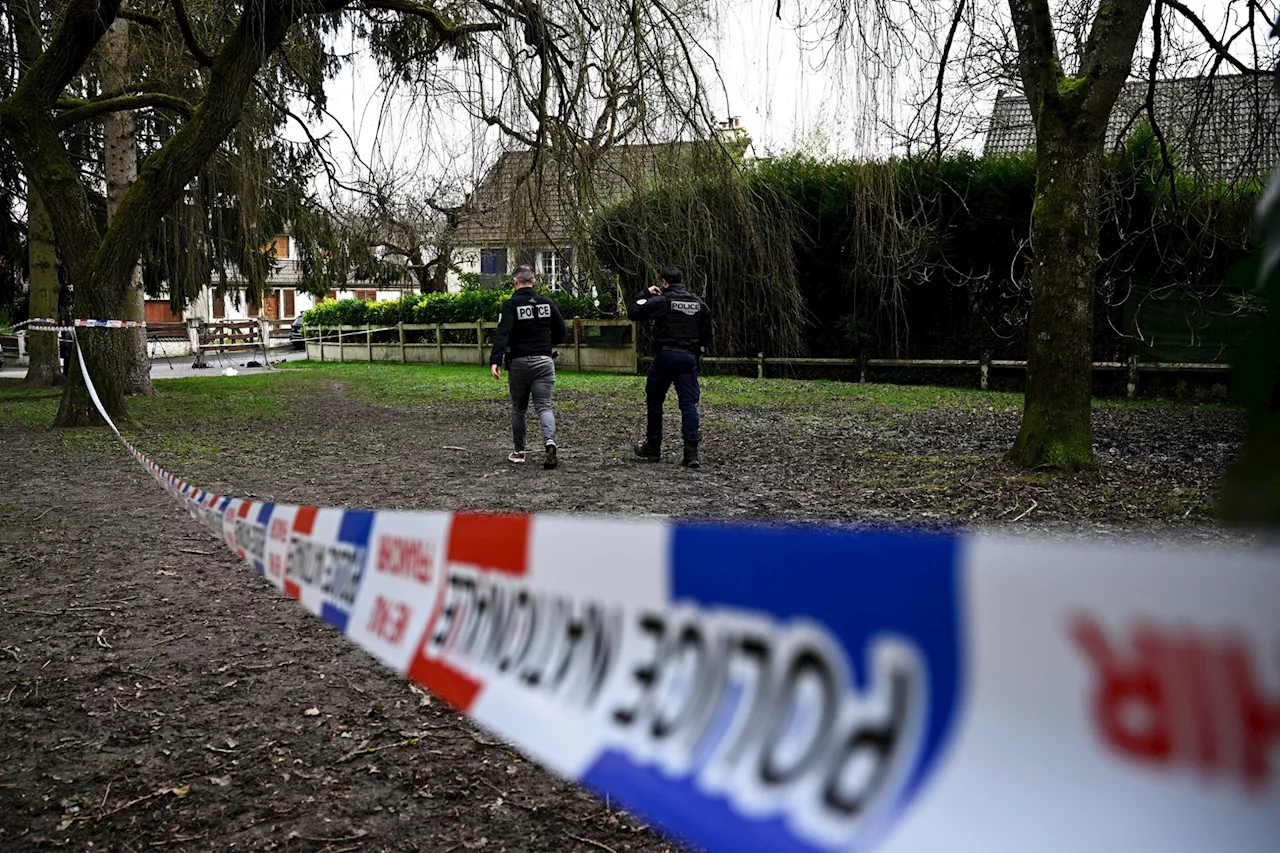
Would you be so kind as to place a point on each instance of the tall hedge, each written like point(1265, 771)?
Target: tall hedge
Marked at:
point(925, 258)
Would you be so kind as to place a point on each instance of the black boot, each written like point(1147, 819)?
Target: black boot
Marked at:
point(690, 459)
point(647, 451)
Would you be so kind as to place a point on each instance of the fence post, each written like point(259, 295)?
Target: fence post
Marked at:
point(479, 341)
point(320, 329)
point(368, 340)
point(193, 334)
point(984, 369)
point(342, 346)
point(1131, 387)
point(760, 365)
point(22, 346)
point(577, 343)
point(400, 326)
point(440, 343)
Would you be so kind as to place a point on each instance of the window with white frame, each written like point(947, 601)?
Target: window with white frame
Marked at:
point(553, 267)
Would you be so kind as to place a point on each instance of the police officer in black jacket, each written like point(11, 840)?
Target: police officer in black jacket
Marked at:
point(682, 331)
point(529, 326)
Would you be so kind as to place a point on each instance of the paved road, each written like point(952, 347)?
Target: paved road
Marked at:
point(173, 368)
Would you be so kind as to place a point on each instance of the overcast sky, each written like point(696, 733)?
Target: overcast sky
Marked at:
point(787, 97)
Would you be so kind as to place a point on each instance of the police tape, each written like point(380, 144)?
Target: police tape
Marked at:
point(800, 688)
point(42, 324)
point(311, 339)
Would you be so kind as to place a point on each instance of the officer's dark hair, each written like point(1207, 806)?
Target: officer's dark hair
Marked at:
point(524, 274)
point(672, 275)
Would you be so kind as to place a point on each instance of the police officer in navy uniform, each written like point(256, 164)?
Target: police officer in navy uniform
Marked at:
point(529, 326)
point(682, 331)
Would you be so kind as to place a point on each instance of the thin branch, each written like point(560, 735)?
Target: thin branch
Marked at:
point(93, 109)
point(141, 18)
point(447, 32)
point(942, 70)
point(1167, 165)
point(1218, 47)
point(184, 24)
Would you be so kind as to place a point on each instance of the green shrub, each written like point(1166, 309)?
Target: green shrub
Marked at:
point(574, 306)
point(465, 307)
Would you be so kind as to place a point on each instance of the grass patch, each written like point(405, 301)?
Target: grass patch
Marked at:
point(190, 405)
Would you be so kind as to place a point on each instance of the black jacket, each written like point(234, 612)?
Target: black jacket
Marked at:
point(530, 324)
point(681, 319)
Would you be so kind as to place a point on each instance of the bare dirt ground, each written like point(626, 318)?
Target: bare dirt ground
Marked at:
point(157, 695)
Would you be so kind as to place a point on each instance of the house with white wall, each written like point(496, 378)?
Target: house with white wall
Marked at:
point(538, 210)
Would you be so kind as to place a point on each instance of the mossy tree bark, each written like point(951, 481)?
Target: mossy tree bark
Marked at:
point(42, 347)
point(101, 265)
point(1071, 122)
point(120, 164)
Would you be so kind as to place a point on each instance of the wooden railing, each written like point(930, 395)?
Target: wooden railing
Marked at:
point(604, 345)
point(595, 345)
point(1132, 366)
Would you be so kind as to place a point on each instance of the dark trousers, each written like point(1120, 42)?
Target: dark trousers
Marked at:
point(673, 367)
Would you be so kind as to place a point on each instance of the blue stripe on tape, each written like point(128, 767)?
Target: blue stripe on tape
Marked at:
point(334, 615)
point(264, 518)
point(355, 527)
point(865, 588)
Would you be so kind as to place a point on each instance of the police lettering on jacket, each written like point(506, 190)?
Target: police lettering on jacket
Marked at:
point(529, 324)
point(680, 319)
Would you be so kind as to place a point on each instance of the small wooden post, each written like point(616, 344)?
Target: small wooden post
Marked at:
point(1131, 387)
point(400, 326)
point(368, 339)
point(760, 365)
point(440, 343)
point(984, 369)
point(342, 351)
point(577, 343)
point(320, 329)
point(635, 349)
point(480, 341)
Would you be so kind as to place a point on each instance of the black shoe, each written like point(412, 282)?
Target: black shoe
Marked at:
point(645, 450)
point(690, 459)
point(549, 461)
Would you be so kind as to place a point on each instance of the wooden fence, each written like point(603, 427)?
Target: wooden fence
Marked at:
point(603, 345)
point(1132, 367)
point(610, 346)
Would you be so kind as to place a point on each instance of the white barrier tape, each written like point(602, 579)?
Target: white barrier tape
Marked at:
point(42, 320)
point(340, 335)
point(816, 689)
point(44, 325)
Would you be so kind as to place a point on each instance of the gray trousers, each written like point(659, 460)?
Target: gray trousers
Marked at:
point(531, 375)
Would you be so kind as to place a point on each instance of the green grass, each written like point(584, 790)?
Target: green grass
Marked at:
point(189, 405)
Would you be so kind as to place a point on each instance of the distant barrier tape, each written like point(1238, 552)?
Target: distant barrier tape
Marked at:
point(340, 335)
point(46, 325)
point(817, 689)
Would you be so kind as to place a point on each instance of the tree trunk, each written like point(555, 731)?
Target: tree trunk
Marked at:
point(120, 146)
point(1071, 123)
point(1057, 429)
point(43, 368)
point(99, 265)
point(440, 272)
